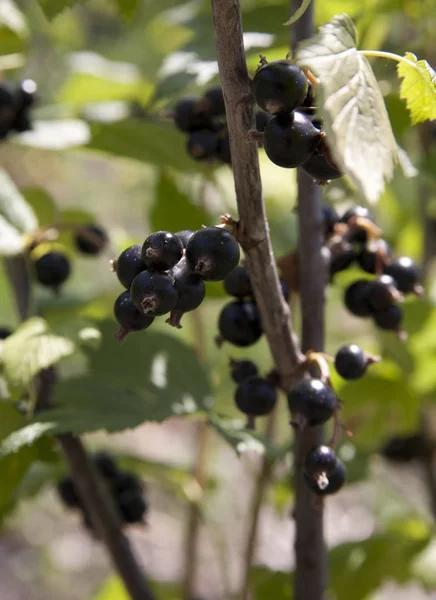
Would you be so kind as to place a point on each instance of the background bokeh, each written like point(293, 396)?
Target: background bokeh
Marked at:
point(102, 151)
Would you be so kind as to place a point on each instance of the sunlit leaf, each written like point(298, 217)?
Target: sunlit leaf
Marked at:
point(11, 241)
point(418, 88)
point(299, 12)
point(14, 207)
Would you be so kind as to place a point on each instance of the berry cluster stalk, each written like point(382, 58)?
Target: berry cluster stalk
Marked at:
point(96, 500)
point(310, 554)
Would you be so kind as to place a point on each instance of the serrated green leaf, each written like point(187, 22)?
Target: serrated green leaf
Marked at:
point(418, 88)
point(351, 105)
point(11, 240)
point(52, 8)
point(31, 348)
point(24, 437)
point(13, 206)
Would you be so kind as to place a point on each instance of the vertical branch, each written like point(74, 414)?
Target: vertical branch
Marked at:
point(310, 553)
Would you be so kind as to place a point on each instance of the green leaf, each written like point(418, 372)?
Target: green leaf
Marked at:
point(11, 240)
point(127, 8)
point(418, 88)
point(299, 12)
point(52, 8)
point(151, 377)
point(42, 204)
point(31, 348)
point(13, 30)
point(355, 118)
point(13, 206)
point(173, 210)
point(26, 436)
point(266, 584)
point(113, 589)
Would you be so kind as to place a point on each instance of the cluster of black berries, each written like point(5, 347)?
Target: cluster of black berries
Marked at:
point(126, 488)
point(203, 119)
point(15, 104)
point(355, 238)
point(239, 321)
point(50, 262)
point(166, 274)
point(255, 396)
point(292, 133)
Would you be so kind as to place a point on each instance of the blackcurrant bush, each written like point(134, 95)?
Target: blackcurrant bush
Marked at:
point(242, 370)
point(342, 256)
point(189, 116)
point(279, 86)
point(129, 264)
point(313, 400)
point(255, 396)
point(5, 332)
point(191, 290)
point(289, 140)
point(132, 507)
point(358, 234)
point(184, 236)
point(154, 293)
point(371, 259)
point(202, 144)
point(239, 323)
point(52, 269)
point(90, 239)
point(237, 283)
point(128, 316)
point(351, 362)
point(320, 165)
point(161, 251)
point(105, 464)
point(405, 272)
point(262, 120)
point(390, 318)
point(382, 292)
point(321, 459)
point(357, 298)
point(67, 493)
point(329, 219)
point(335, 481)
point(212, 253)
point(214, 101)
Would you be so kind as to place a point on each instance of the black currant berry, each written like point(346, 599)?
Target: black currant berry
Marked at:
point(255, 396)
point(320, 459)
point(313, 400)
point(351, 362)
point(373, 259)
point(105, 464)
point(320, 165)
point(26, 94)
point(184, 236)
point(405, 272)
point(237, 283)
point(212, 253)
point(262, 120)
point(403, 449)
point(5, 332)
point(189, 116)
point(342, 256)
point(202, 144)
point(382, 292)
point(357, 298)
point(289, 140)
point(90, 239)
point(22, 123)
point(279, 87)
point(242, 370)
point(239, 323)
point(335, 481)
point(67, 493)
point(126, 482)
point(214, 101)
point(7, 109)
point(329, 219)
point(359, 234)
point(128, 316)
point(132, 507)
point(154, 293)
point(52, 269)
point(390, 318)
point(191, 290)
point(161, 251)
point(129, 264)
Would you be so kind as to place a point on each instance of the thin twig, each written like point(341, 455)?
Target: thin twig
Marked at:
point(91, 490)
point(310, 552)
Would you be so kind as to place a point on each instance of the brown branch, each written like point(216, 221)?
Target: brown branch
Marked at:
point(254, 238)
point(97, 501)
point(310, 553)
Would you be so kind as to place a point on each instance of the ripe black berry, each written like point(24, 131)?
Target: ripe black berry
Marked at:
point(329, 219)
point(189, 116)
point(289, 140)
point(191, 290)
point(313, 400)
point(390, 318)
point(90, 239)
point(382, 292)
point(356, 298)
point(358, 234)
point(132, 507)
point(342, 256)
point(128, 316)
point(320, 459)
point(242, 370)
point(212, 253)
point(67, 493)
point(129, 264)
point(335, 481)
point(405, 272)
point(255, 396)
point(279, 87)
point(262, 120)
point(214, 101)
point(126, 482)
point(26, 94)
point(52, 269)
point(239, 323)
point(5, 332)
point(184, 236)
point(351, 362)
point(154, 293)
point(7, 109)
point(403, 449)
point(161, 251)
point(320, 165)
point(237, 283)
point(202, 144)
point(371, 259)
point(106, 464)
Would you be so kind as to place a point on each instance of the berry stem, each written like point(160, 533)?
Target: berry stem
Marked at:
point(390, 55)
